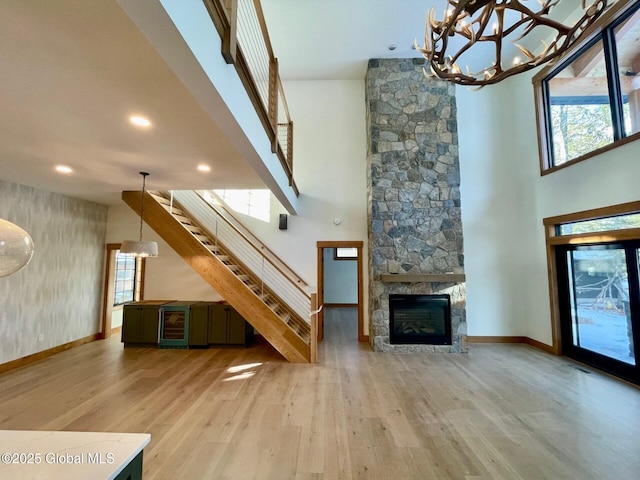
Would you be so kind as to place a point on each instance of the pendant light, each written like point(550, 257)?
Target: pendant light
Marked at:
point(16, 248)
point(139, 248)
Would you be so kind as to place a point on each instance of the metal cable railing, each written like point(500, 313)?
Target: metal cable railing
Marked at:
point(246, 44)
point(272, 272)
point(253, 47)
point(216, 202)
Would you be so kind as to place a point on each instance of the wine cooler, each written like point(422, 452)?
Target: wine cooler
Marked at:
point(174, 325)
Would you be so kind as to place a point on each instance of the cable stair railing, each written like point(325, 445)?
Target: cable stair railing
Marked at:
point(249, 278)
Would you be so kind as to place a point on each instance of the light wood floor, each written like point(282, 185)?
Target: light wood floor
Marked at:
point(500, 412)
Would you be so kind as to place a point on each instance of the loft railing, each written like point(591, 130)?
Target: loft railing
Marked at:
point(272, 271)
point(246, 44)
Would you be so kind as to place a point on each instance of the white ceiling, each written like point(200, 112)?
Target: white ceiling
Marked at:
point(330, 39)
point(72, 71)
point(334, 39)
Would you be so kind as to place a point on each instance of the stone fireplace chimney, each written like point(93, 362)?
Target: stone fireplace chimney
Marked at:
point(415, 226)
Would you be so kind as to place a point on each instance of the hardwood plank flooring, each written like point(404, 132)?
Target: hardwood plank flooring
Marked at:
point(500, 412)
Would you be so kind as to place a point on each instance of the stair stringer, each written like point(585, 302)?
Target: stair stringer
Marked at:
point(223, 280)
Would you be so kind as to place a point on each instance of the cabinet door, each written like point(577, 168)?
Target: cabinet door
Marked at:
point(198, 323)
point(217, 324)
point(236, 328)
point(131, 324)
point(149, 333)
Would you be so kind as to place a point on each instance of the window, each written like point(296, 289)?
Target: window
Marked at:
point(607, 224)
point(345, 253)
point(127, 283)
point(591, 100)
point(254, 203)
point(594, 281)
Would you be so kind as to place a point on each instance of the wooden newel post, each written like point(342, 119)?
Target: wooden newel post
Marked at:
point(290, 149)
point(313, 347)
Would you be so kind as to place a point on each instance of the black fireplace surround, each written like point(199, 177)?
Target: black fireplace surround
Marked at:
point(420, 319)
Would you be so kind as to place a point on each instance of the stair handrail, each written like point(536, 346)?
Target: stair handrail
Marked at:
point(222, 205)
point(260, 249)
point(186, 223)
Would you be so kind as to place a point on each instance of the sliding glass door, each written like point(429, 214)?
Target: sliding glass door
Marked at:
point(600, 305)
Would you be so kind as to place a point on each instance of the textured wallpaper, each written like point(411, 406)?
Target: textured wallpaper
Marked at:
point(57, 297)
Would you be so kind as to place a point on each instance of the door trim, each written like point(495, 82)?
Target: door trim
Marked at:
point(107, 291)
point(596, 358)
point(321, 245)
point(108, 287)
point(553, 240)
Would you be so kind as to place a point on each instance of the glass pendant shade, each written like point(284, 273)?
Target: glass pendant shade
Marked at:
point(16, 248)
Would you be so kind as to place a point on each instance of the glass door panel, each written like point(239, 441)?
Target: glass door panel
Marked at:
point(599, 302)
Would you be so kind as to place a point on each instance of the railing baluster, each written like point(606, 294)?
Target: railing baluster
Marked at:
point(230, 36)
point(216, 233)
point(274, 279)
point(171, 202)
point(273, 101)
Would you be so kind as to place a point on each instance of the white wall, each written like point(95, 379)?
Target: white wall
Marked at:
point(489, 191)
point(340, 279)
point(116, 316)
point(329, 161)
point(504, 201)
point(168, 276)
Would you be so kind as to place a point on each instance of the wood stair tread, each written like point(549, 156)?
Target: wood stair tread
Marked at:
point(263, 294)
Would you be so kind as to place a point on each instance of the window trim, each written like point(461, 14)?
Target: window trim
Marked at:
point(598, 31)
point(553, 240)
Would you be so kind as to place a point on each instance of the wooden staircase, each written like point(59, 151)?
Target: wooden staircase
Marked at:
point(261, 307)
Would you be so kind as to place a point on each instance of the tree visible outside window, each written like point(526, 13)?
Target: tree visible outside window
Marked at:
point(606, 224)
point(579, 129)
point(592, 99)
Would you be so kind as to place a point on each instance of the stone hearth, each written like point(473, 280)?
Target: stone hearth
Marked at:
point(415, 225)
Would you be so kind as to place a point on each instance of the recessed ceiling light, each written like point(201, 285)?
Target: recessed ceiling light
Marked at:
point(204, 168)
point(63, 169)
point(139, 121)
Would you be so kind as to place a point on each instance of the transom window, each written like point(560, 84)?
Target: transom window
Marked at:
point(591, 100)
point(606, 224)
point(345, 253)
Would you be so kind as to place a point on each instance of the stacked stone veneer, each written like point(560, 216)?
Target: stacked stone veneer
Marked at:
point(415, 225)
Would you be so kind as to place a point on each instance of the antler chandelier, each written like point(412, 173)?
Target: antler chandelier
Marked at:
point(495, 22)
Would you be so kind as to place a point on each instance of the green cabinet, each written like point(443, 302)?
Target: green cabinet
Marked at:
point(228, 327)
point(239, 331)
point(217, 324)
point(140, 322)
point(208, 324)
point(199, 325)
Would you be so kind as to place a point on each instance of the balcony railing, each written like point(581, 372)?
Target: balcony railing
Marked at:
point(246, 44)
